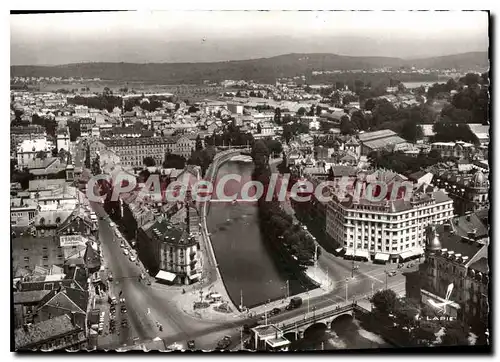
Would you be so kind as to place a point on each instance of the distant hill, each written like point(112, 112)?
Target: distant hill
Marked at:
point(465, 61)
point(262, 70)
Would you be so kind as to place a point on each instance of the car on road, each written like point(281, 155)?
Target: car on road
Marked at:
point(123, 309)
point(148, 282)
point(191, 344)
point(392, 273)
point(275, 311)
point(125, 251)
point(224, 343)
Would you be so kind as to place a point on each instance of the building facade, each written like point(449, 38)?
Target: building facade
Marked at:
point(386, 230)
point(457, 256)
point(470, 192)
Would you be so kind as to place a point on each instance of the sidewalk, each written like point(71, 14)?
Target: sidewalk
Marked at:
point(197, 293)
point(319, 276)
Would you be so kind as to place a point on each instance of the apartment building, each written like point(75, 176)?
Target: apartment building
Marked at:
point(457, 254)
point(29, 149)
point(19, 134)
point(170, 251)
point(132, 151)
point(457, 149)
point(389, 230)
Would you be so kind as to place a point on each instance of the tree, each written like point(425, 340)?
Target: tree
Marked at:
point(370, 104)
point(411, 130)
point(41, 155)
point(199, 143)
point(454, 337)
point(277, 115)
point(424, 334)
point(259, 128)
point(384, 301)
point(302, 111)
point(174, 161)
point(470, 79)
point(311, 111)
point(149, 161)
point(87, 157)
point(96, 165)
point(346, 127)
point(193, 109)
point(107, 91)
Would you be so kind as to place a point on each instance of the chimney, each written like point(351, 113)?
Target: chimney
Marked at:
point(73, 318)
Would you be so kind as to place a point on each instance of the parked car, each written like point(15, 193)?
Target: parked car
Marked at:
point(275, 311)
point(110, 276)
point(122, 300)
point(124, 309)
point(392, 273)
point(191, 344)
point(125, 251)
point(132, 258)
point(112, 224)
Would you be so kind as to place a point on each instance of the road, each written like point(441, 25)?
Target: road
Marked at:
point(147, 305)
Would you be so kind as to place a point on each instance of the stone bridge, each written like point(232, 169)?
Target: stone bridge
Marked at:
point(297, 327)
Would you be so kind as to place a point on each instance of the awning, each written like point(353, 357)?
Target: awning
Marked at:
point(406, 254)
point(363, 254)
point(382, 256)
point(195, 276)
point(169, 277)
point(410, 253)
point(349, 252)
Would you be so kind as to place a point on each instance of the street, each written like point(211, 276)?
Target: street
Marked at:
point(141, 298)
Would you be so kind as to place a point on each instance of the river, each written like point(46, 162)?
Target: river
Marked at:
point(244, 261)
point(246, 266)
point(345, 333)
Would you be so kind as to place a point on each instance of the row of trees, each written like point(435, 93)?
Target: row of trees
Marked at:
point(150, 106)
point(401, 163)
point(404, 121)
point(275, 224)
point(105, 101)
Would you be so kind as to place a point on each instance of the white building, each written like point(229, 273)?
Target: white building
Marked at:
point(386, 230)
point(28, 150)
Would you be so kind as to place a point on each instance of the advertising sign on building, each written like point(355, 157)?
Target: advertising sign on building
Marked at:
point(71, 240)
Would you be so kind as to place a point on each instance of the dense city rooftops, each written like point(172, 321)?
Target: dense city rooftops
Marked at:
point(44, 330)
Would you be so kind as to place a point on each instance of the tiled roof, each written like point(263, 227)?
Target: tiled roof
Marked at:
point(34, 296)
point(42, 331)
point(383, 142)
point(368, 136)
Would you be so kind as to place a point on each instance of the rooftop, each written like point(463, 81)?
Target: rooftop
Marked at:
point(384, 141)
point(44, 330)
point(28, 297)
point(369, 136)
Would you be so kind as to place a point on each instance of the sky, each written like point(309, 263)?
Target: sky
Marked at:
point(197, 36)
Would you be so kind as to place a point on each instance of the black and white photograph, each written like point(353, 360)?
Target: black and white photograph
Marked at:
point(250, 181)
